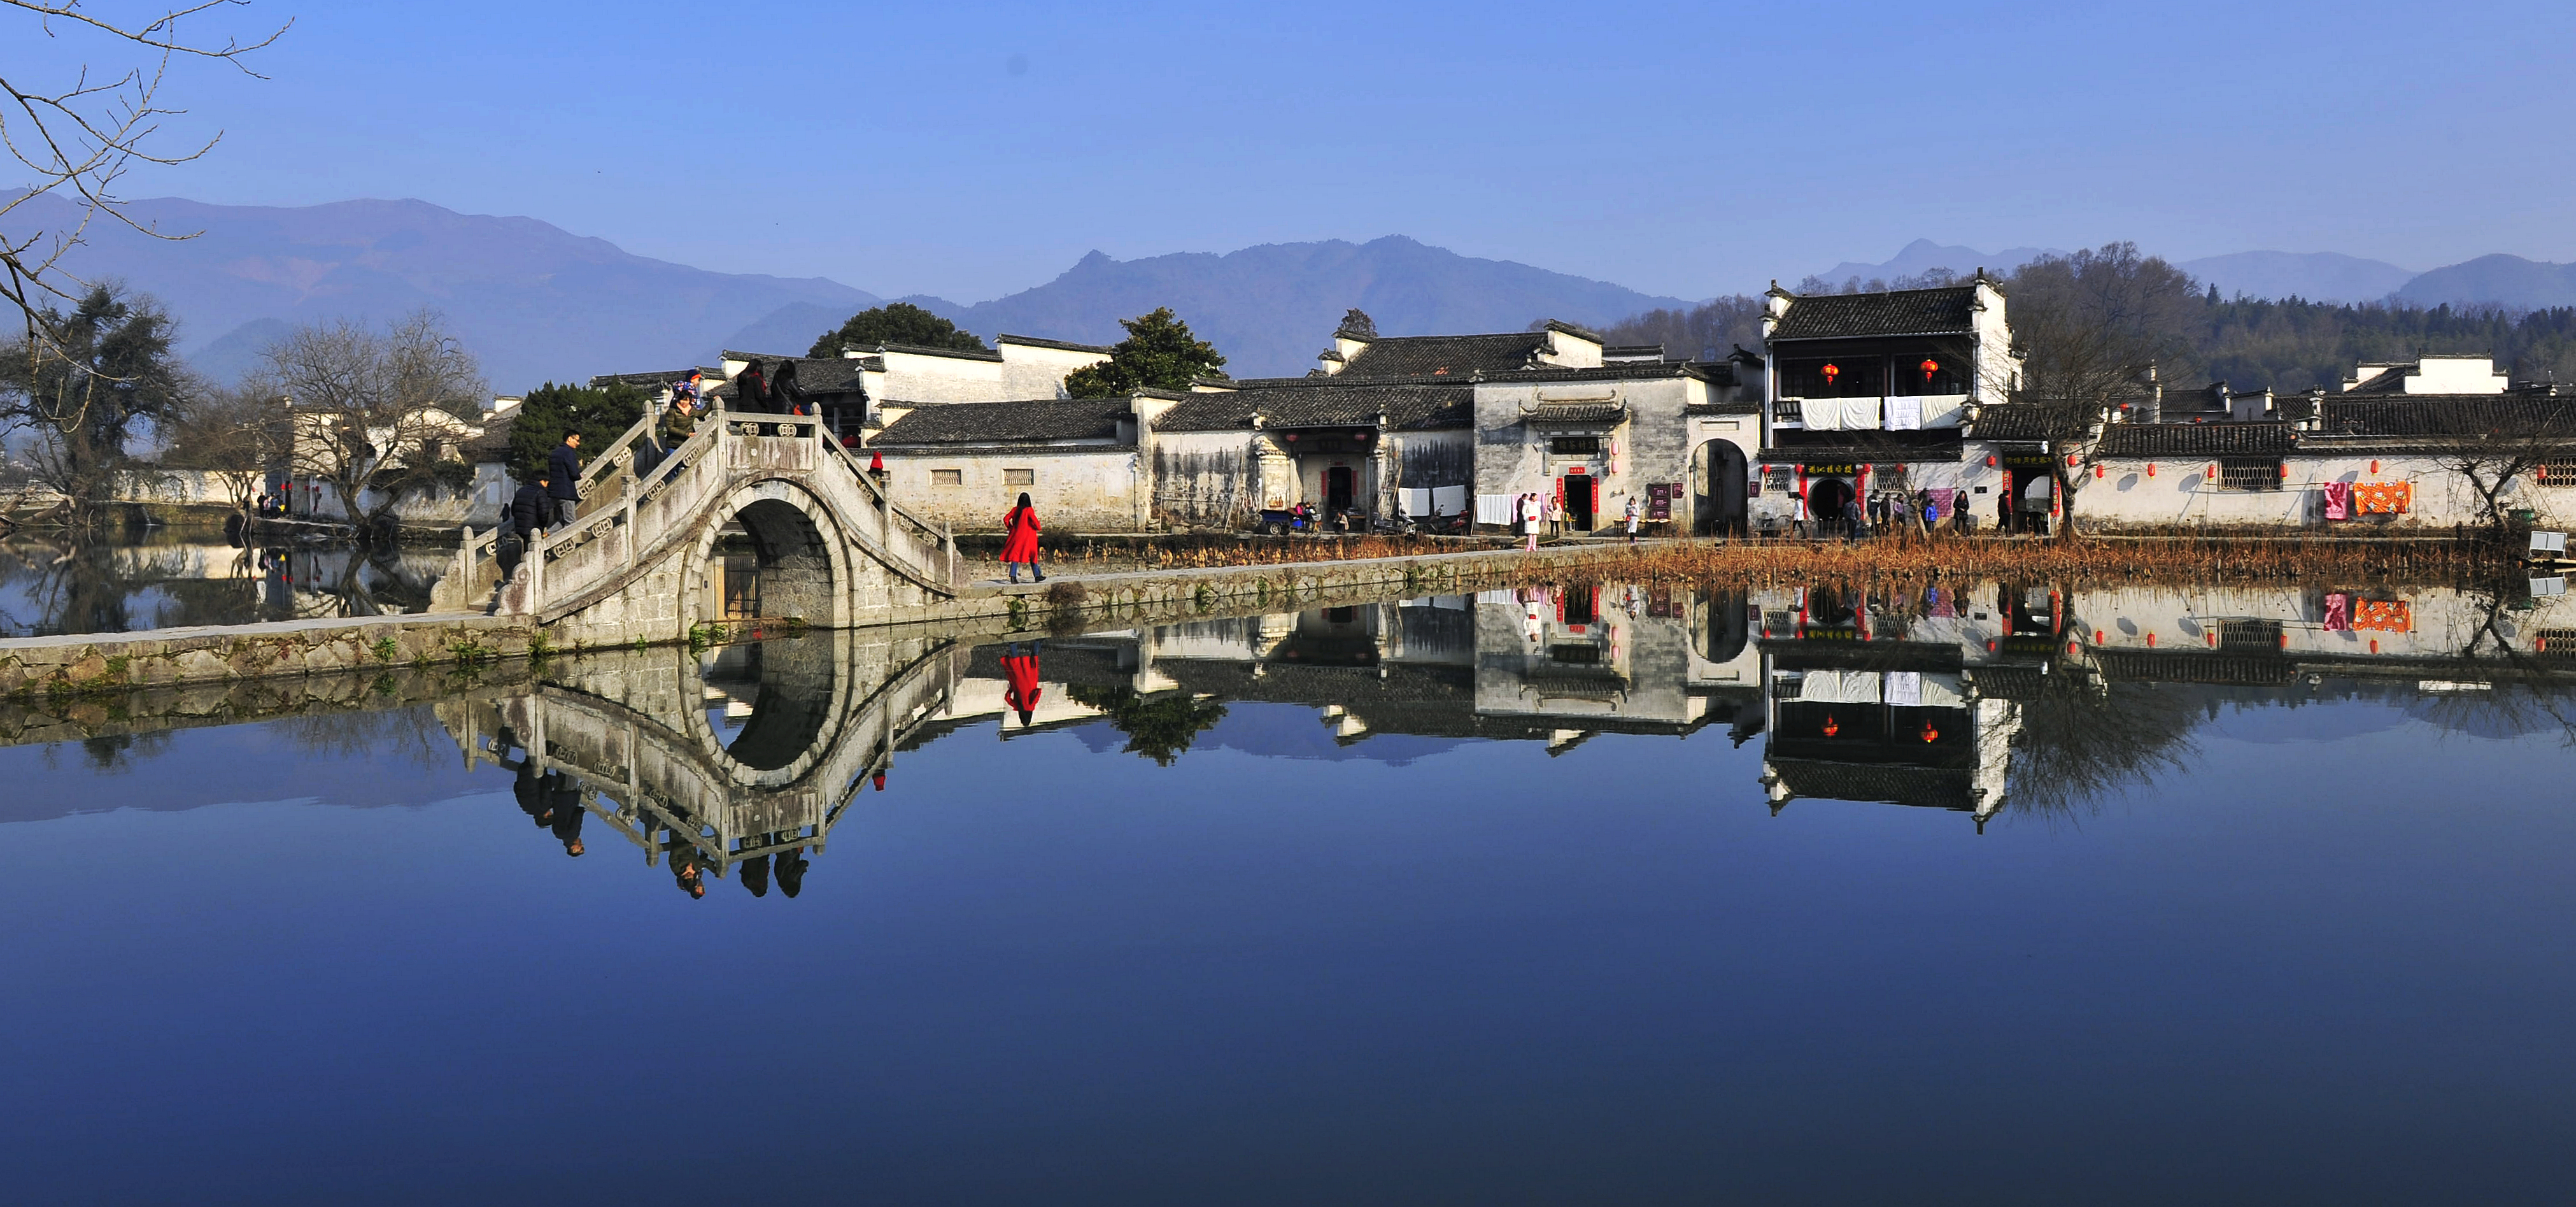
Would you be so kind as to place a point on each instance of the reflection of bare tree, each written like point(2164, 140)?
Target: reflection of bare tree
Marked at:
point(2518, 693)
point(2082, 742)
point(409, 733)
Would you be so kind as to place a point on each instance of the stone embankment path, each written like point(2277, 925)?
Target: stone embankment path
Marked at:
point(232, 653)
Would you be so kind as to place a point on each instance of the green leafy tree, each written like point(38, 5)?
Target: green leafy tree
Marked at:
point(896, 323)
point(84, 386)
point(600, 415)
point(1160, 726)
point(1159, 353)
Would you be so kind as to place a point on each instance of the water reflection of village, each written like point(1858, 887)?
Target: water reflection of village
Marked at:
point(737, 762)
point(172, 581)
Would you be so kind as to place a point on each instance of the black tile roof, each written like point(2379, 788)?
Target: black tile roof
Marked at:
point(1447, 355)
point(1409, 406)
point(651, 380)
point(2031, 421)
point(919, 350)
point(2198, 439)
point(828, 374)
point(1928, 787)
point(2449, 415)
point(1946, 311)
point(1031, 341)
point(1006, 422)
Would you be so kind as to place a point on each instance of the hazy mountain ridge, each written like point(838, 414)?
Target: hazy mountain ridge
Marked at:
point(2501, 279)
point(533, 301)
point(1271, 308)
point(536, 302)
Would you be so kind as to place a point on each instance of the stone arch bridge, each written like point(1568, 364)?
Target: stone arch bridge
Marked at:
point(646, 556)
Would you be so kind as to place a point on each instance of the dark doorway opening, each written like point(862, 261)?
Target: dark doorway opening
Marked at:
point(1827, 499)
point(1724, 479)
point(1337, 489)
point(1577, 489)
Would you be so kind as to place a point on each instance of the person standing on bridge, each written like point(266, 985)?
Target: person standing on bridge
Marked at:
point(563, 478)
point(1020, 539)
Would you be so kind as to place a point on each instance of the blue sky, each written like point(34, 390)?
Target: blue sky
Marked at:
point(973, 149)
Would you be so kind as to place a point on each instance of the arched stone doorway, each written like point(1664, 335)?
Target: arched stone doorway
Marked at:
point(1721, 505)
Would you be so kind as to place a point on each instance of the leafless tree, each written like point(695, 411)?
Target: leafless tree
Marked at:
point(1707, 331)
point(79, 128)
point(2496, 446)
point(368, 410)
point(2090, 327)
point(237, 435)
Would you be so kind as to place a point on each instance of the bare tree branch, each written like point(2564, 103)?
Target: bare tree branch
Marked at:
point(80, 136)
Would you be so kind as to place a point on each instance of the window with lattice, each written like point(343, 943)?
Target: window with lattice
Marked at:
point(2555, 473)
point(948, 477)
point(2249, 473)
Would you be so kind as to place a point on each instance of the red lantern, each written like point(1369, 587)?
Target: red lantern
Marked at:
point(1990, 461)
point(2151, 641)
point(2374, 467)
point(2097, 636)
point(1929, 367)
point(2070, 460)
point(2213, 471)
point(1830, 728)
point(2151, 469)
point(2073, 648)
point(2374, 645)
point(1832, 372)
point(2285, 469)
point(2097, 471)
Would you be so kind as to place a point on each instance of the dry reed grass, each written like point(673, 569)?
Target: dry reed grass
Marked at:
point(2071, 562)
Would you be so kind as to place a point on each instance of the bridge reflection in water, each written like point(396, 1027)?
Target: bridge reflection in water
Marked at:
point(736, 758)
point(740, 760)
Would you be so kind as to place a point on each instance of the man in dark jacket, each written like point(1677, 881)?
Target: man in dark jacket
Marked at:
point(530, 509)
point(563, 477)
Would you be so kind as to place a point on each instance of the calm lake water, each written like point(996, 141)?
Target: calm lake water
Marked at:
point(1539, 897)
point(172, 579)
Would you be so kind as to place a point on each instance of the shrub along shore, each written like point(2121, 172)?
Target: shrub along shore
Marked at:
point(2083, 558)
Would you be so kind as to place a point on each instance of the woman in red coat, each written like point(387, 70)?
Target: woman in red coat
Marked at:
point(1022, 672)
point(1020, 544)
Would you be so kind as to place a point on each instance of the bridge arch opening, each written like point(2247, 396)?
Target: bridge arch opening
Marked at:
point(776, 698)
point(773, 560)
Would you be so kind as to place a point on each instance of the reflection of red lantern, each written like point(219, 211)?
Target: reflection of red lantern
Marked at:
point(1832, 372)
point(1830, 728)
point(1929, 367)
point(1930, 733)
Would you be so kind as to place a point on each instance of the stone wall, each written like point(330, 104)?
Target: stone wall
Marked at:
point(229, 653)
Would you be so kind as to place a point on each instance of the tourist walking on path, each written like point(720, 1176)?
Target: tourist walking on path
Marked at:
point(1529, 523)
point(1020, 539)
point(563, 478)
point(1631, 514)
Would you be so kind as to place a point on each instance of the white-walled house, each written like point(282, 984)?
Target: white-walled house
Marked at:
point(1868, 392)
point(1019, 368)
point(2395, 460)
point(1082, 462)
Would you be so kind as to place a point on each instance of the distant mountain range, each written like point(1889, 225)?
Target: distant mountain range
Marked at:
point(1270, 308)
point(2322, 276)
point(1924, 254)
point(535, 302)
